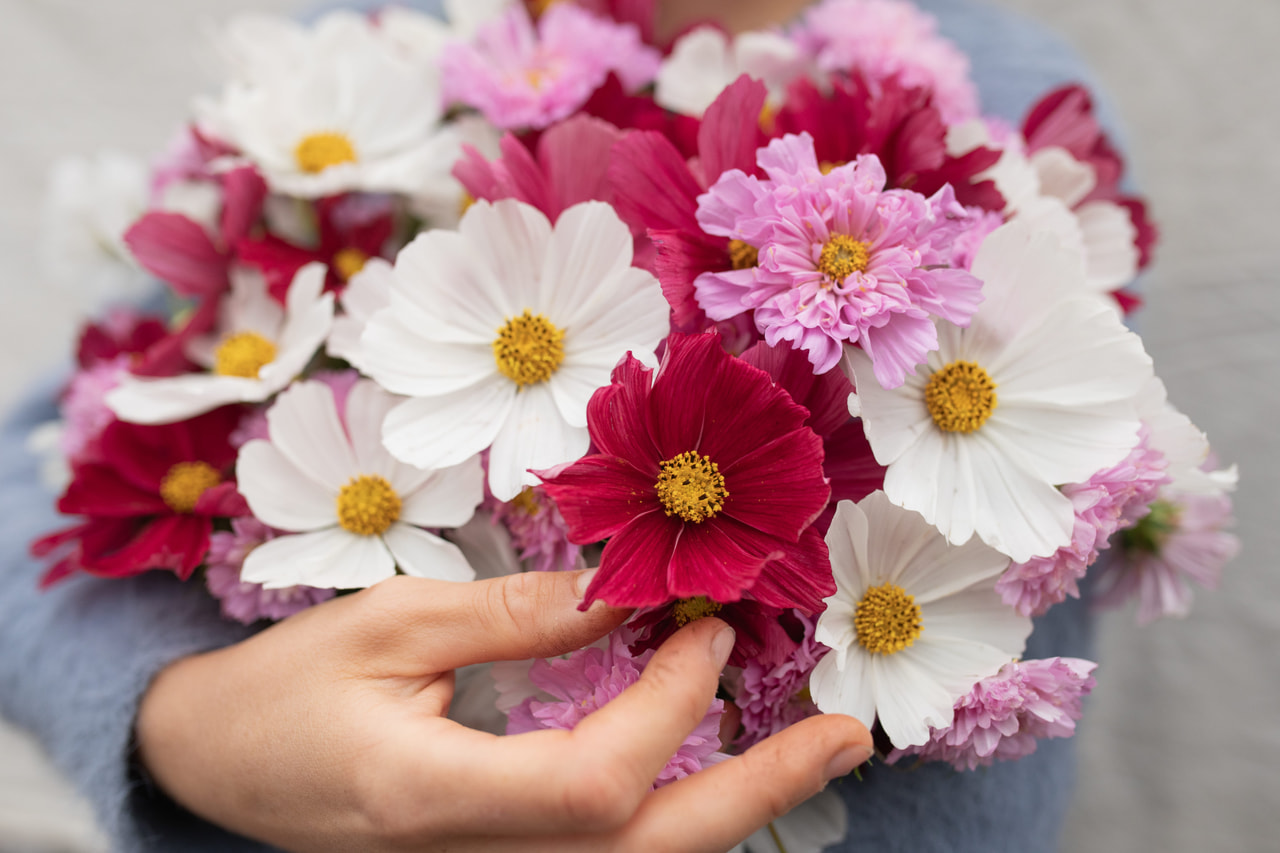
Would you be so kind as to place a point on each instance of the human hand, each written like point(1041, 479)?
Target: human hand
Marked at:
point(328, 732)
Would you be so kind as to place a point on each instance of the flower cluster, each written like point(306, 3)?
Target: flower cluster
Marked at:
point(773, 327)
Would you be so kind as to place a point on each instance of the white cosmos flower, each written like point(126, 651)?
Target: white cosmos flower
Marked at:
point(914, 624)
point(706, 60)
point(335, 108)
point(355, 511)
point(257, 350)
point(1039, 390)
point(501, 331)
point(367, 293)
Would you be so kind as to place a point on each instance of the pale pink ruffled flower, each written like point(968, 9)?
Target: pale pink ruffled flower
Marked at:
point(1183, 539)
point(538, 531)
point(249, 602)
point(890, 38)
point(590, 678)
point(1113, 499)
point(841, 260)
point(1004, 715)
point(520, 76)
point(84, 408)
point(773, 698)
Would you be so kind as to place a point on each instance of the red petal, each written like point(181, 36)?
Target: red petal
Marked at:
point(801, 578)
point(600, 495)
point(100, 491)
point(222, 501)
point(178, 543)
point(652, 184)
point(633, 567)
point(244, 190)
point(825, 396)
point(177, 250)
point(717, 560)
point(779, 488)
point(575, 155)
point(618, 417)
point(680, 258)
point(730, 132)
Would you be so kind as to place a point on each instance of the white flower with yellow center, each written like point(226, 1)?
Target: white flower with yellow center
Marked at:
point(355, 512)
point(257, 350)
point(501, 331)
point(706, 60)
point(914, 624)
point(1040, 390)
point(331, 109)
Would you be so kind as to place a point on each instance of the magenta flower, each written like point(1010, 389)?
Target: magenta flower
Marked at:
point(706, 482)
point(249, 602)
point(590, 678)
point(520, 76)
point(841, 260)
point(1112, 499)
point(1004, 715)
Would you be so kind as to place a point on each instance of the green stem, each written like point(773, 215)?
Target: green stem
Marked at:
point(777, 839)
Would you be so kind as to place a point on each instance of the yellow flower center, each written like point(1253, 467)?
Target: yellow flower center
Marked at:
point(826, 167)
point(688, 610)
point(349, 261)
point(743, 255)
point(843, 256)
point(185, 482)
point(539, 7)
point(319, 151)
point(887, 620)
point(691, 486)
point(528, 349)
point(526, 502)
point(465, 203)
point(960, 397)
point(243, 354)
point(367, 505)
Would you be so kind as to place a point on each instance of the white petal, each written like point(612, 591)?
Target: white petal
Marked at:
point(585, 263)
point(1063, 176)
point(279, 493)
point(443, 431)
point(367, 407)
point(695, 72)
point(304, 426)
point(166, 401)
point(511, 237)
point(844, 692)
point(448, 497)
point(909, 697)
point(1110, 244)
point(534, 436)
point(1014, 512)
point(423, 555)
point(407, 358)
point(452, 288)
point(893, 420)
point(368, 292)
point(978, 615)
point(328, 559)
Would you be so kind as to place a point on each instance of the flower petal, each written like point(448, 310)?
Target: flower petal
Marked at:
point(304, 426)
point(447, 430)
point(533, 436)
point(279, 493)
point(446, 498)
point(422, 555)
point(326, 559)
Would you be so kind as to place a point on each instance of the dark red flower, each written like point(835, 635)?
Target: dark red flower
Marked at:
point(706, 483)
point(758, 630)
point(149, 499)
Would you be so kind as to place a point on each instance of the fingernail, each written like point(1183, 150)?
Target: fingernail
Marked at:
point(722, 644)
point(843, 762)
point(583, 581)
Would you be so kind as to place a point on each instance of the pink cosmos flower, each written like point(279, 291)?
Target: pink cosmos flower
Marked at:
point(706, 482)
point(520, 76)
point(1112, 499)
point(1004, 715)
point(84, 408)
point(775, 696)
point(841, 260)
point(586, 681)
point(538, 531)
point(249, 602)
point(1182, 539)
point(886, 39)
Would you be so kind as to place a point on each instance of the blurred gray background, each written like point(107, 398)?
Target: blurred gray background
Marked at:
point(1180, 747)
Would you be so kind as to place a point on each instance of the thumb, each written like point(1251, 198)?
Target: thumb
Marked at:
point(442, 625)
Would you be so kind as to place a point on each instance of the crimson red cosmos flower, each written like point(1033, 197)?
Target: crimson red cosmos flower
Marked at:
point(150, 500)
point(706, 483)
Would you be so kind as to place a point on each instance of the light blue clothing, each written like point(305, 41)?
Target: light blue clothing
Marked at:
point(77, 658)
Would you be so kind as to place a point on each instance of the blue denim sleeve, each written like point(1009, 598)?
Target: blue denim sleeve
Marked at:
point(1017, 806)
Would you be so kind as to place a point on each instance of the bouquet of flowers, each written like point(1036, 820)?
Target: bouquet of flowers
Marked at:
point(776, 327)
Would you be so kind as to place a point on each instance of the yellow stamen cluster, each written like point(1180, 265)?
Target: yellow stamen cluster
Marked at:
point(691, 486)
point(842, 256)
point(185, 482)
point(243, 354)
point(319, 151)
point(743, 255)
point(526, 502)
point(528, 349)
point(349, 261)
point(960, 397)
point(688, 610)
point(826, 167)
point(368, 505)
point(887, 619)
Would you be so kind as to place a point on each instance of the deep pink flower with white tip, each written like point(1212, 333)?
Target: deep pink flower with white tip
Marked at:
point(841, 260)
point(1004, 715)
point(586, 681)
point(706, 482)
point(522, 76)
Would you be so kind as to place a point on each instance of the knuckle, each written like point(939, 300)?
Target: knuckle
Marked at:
point(513, 605)
point(668, 677)
point(785, 787)
point(597, 797)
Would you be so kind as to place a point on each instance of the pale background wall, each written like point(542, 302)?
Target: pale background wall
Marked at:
point(1181, 751)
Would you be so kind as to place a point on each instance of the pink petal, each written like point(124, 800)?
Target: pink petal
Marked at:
point(730, 132)
point(177, 250)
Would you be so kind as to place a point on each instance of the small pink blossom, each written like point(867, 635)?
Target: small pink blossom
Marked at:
point(1004, 715)
point(520, 76)
point(84, 408)
point(775, 697)
point(249, 602)
point(590, 678)
point(886, 39)
point(1113, 499)
point(841, 260)
point(538, 531)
